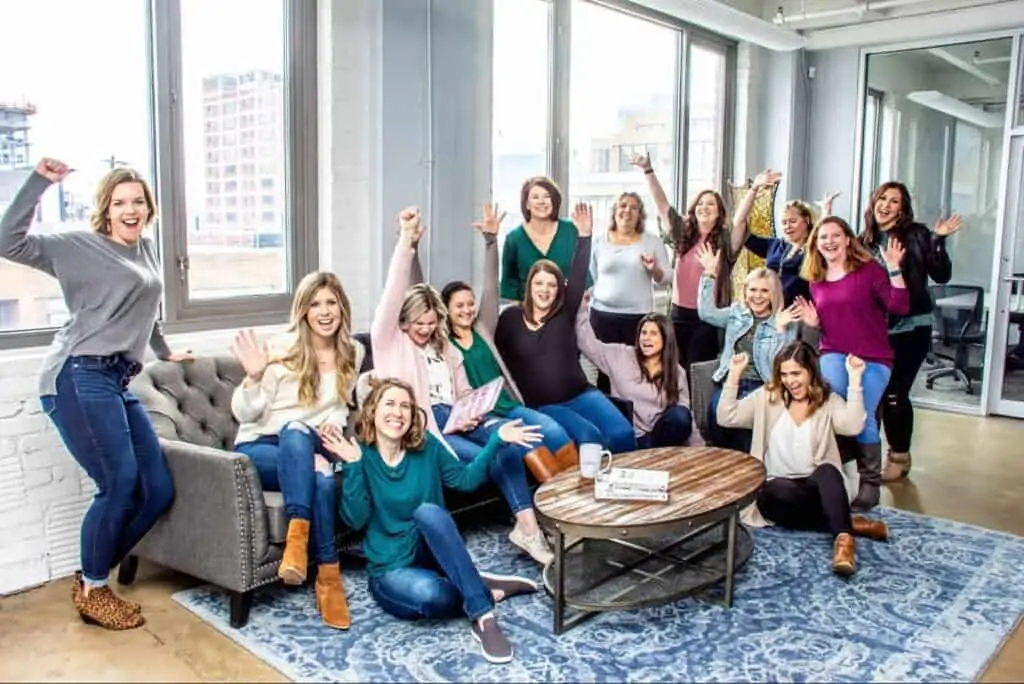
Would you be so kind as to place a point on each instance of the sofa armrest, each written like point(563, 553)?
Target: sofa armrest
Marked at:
point(216, 528)
point(702, 388)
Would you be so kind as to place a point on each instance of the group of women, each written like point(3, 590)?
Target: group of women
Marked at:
point(568, 291)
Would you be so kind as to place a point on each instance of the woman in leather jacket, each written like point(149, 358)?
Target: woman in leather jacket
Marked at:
point(891, 213)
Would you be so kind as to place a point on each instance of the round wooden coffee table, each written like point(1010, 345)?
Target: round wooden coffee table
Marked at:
point(635, 554)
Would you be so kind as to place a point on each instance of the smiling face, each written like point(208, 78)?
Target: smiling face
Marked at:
point(324, 314)
point(651, 342)
point(795, 226)
point(128, 213)
point(543, 291)
point(706, 209)
point(462, 309)
point(538, 202)
point(627, 214)
point(758, 294)
point(422, 328)
point(888, 208)
point(393, 415)
point(832, 243)
point(796, 379)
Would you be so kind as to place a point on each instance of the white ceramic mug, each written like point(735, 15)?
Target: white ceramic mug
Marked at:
point(591, 456)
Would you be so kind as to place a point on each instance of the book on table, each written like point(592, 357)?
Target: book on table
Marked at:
point(476, 404)
point(632, 484)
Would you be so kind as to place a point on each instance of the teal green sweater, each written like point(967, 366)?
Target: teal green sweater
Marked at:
point(383, 499)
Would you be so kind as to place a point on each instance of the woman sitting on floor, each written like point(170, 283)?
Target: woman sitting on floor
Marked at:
point(285, 405)
point(795, 418)
point(417, 561)
point(646, 373)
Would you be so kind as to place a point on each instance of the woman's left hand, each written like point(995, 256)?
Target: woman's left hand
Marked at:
point(583, 217)
point(947, 227)
point(514, 432)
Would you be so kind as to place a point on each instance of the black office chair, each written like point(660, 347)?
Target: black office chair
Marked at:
point(956, 324)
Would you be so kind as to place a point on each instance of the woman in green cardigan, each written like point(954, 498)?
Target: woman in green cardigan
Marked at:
point(541, 236)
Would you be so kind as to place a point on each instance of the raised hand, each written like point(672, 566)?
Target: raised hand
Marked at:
point(790, 314)
point(648, 261)
point(492, 220)
point(808, 312)
point(855, 369)
point(583, 217)
point(947, 227)
point(514, 432)
point(642, 161)
point(252, 355)
point(52, 170)
point(894, 252)
point(826, 203)
point(708, 258)
point(409, 222)
point(348, 450)
point(767, 178)
point(737, 364)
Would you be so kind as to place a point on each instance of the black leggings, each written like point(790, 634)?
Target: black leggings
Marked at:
point(818, 503)
point(910, 349)
point(697, 341)
point(613, 328)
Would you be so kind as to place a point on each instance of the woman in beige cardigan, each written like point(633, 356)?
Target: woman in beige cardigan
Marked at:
point(794, 418)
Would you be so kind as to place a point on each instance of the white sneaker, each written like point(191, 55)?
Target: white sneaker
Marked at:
point(536, 545)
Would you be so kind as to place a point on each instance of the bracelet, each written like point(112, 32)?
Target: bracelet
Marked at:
point(895, 272)
point(647, 171)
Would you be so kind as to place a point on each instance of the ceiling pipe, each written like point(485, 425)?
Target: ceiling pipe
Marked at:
point(859, 9)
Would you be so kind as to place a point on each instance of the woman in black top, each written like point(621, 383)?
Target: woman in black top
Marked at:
point(890, 213)
point(537, 340)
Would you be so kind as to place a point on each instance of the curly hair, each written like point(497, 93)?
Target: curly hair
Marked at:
point(366, 427)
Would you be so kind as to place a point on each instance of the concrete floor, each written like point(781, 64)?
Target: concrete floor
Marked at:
point(966, 468)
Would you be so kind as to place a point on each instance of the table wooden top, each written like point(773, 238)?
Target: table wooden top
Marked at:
point(701, 480)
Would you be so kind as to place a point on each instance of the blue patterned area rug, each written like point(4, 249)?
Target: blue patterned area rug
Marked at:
point(933, 604)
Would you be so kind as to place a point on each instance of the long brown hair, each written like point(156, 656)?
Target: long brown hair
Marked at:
point(100, 218)
point(366, 428)
point(301, 357)
point(806, 357)
point(686, 232)
point(814, 268)
point(642, 213)
point(869, 236)
point(667, 381)
point(543, 266)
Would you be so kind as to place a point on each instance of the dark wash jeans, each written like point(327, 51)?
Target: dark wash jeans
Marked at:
point(109, 434)
point(285, 464)
point(441, 579)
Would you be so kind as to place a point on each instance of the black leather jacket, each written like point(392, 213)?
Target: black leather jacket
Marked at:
point(926, 257)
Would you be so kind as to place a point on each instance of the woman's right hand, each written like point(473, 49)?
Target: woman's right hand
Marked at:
point(708, 258)
point(492, 220)
point(808, 312)
point(52, 170)
point(409, 222)
point(855, 369)
point(251, 354)
point(514, 432)
point(737, 364)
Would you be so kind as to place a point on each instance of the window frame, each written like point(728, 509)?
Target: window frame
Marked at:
point(166, 141)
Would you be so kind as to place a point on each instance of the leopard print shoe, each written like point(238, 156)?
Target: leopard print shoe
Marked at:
point(103, 608)
point(76, 589)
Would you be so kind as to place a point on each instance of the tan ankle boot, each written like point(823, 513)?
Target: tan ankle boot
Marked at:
point(542, 464)
point(870, 529)
point(76, 589)
point(101, 606)
point(897, 467)
point(568, 456)
point(844, 555)
point(296, 553)
point(330, 596)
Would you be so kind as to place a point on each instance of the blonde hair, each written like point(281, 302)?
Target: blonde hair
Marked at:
point(814, 268)
point(366, 427)
point(774, 286)
point(805, 210)
point(421, 299)
point(301, 357)
point(100, 218)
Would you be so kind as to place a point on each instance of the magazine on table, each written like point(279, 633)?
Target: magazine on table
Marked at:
point(477, 403)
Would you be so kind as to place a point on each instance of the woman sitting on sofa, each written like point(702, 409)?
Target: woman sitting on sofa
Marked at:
point(795, 419)
point(288, 400)
point(417, 561)
point(471, 330)
point(647, 374)
point(410, 342)
point(758, 327)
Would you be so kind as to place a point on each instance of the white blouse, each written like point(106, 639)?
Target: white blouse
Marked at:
point(790, 452)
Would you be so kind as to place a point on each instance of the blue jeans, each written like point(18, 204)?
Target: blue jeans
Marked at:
point(591, 417)
point(672, 428)
point(441, 579)
point(874, 382)
point(553, 435)
point(110, 435)
point(730, 438)
point(507, 469)
point(285, 464)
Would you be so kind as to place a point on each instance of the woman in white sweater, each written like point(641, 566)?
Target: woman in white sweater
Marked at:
point(295, 391)
point(794, 418)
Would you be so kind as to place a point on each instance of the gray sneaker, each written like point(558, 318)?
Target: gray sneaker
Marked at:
point(509, 585)
point(493, 644)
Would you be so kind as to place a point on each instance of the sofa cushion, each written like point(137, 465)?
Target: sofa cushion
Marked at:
point(277, 520)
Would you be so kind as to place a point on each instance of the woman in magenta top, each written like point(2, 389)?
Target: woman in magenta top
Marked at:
point(853, 298)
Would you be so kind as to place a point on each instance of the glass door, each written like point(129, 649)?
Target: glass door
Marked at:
point(1008, 349)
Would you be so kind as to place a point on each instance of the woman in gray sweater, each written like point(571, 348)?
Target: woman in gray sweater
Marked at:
point(112, 288)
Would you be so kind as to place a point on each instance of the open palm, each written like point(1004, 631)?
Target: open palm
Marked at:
point(250, 353)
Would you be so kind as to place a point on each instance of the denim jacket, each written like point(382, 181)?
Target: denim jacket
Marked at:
point(737, 320)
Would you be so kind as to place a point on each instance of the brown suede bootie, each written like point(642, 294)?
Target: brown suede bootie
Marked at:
point(542, 463)
point(102, 607)
point(330, 596)
point(76, 589)
point(568, 456)
point(296, 553)
point(869, 528)
point(844, 555)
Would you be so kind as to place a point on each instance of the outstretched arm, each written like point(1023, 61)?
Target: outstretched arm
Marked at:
point(15, 242)
point(487, 313)
point(740, 227)
point(385, 318)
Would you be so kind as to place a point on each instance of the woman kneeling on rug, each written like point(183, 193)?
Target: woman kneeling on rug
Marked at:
point(417, 561)
point(285, 406)
point(794, 418)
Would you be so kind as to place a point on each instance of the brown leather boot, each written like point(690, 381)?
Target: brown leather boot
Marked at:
point(76, 589)
point(568, 456)
point(542, 464)
point(897, 467)
point(296, 553)
point(870, 529)
point(330, 596)
point(100, 606)
point(844, 555)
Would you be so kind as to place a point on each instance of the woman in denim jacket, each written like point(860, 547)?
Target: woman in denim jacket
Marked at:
point(758, 327)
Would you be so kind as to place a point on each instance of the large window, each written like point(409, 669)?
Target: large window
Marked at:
point(622, 104)
point(706, 68)
point(217, 120)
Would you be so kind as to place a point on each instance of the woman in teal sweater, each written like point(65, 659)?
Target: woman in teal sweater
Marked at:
point(417, 560)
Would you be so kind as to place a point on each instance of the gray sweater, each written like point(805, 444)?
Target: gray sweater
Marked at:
point(112, 291)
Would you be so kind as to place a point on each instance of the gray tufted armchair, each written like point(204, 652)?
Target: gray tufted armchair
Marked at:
point(222, 527)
